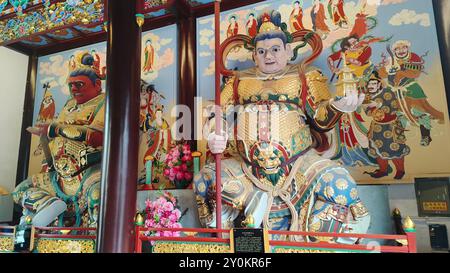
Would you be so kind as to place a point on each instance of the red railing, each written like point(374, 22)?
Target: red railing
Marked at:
point(409, 240)
point(11, 228)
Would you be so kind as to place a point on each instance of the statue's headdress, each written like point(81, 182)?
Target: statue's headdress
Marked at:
point(86, 62)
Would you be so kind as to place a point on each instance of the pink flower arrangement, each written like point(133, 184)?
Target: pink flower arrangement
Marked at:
point(179, 164)
point(162, 213)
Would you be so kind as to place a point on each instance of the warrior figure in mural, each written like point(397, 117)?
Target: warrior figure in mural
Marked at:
point(318, 19)
point(70, 190)
point(149, 57)
point(252, 25)
point(233, 27)
point(350, 135)
point(276, 178)
point(337, 13)
point(47, 110)
point(387, 139)
point(296, 18)
point(402, 70)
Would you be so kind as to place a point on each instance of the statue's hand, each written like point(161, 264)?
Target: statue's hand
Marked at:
point(217, 143)
point(349, 103)
point(40, 129)
point(374, 104)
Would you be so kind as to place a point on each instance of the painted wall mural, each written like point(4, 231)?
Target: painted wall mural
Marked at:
point(158, 97)
point(159, 70)
point(404, 121)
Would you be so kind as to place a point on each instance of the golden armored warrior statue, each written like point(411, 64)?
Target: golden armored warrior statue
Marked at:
point(275, 177)
point(70, 190)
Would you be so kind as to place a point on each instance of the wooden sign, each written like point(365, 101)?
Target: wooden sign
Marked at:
point(246, 240)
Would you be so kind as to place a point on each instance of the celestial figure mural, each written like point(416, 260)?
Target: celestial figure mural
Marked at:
point(149, 53)
point(296, 18)
point(252, 25)
point(318, 19)
point(233, 27)
point(337, 13)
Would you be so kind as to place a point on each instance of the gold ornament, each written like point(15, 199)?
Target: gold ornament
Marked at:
point(408, 224)
point(140, 19)
point(28, 220)
point(139, 219)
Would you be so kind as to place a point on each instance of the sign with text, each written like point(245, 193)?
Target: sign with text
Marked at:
point(245, 240)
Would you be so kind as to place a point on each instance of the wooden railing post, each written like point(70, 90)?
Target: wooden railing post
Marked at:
point(410, 230)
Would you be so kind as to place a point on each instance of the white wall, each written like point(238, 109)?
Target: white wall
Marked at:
point(13, 75)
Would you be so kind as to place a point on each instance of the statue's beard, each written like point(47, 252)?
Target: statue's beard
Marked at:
point(272, 177)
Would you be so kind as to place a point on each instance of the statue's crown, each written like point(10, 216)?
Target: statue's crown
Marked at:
point(86, 61)
point(269, 22)
point(266, 24)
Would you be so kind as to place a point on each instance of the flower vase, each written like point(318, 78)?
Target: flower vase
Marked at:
point(181, 184)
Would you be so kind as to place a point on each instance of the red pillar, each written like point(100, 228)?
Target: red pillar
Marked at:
point(119, 169)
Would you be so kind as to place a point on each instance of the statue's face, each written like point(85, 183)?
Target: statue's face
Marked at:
point(401, 52)
point(373, 86)
point(296, 5)
point(82, 88)
point(267, 159)
point(271, 55)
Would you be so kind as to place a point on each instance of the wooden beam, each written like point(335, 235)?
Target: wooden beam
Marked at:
point(121, 135)
point(27, 120)
point(187, 69)
point(72, 44)
point(441, 11)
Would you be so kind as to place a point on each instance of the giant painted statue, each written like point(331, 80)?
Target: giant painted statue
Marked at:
point(68, 194)
point(276, 178)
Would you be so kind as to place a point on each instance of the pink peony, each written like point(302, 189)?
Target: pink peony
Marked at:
point(168, 206)
point(188, 176)
point(184, 167)
point(180, 176)
point(176, 153)
point(186, 158)
point(166, 172)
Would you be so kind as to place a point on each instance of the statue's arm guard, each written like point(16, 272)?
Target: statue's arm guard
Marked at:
point(321, 112)
point(92, 134)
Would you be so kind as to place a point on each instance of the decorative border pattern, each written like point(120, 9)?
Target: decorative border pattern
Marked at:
point(188, 247)
point(6, 244)
point(64, 246)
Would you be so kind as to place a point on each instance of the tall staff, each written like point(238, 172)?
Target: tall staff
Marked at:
point(218, 116)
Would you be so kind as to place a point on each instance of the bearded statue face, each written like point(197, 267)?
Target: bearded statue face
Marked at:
point(272, 55)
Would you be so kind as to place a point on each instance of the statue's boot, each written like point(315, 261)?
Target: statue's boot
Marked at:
point(48, 212)
point(43, 207)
